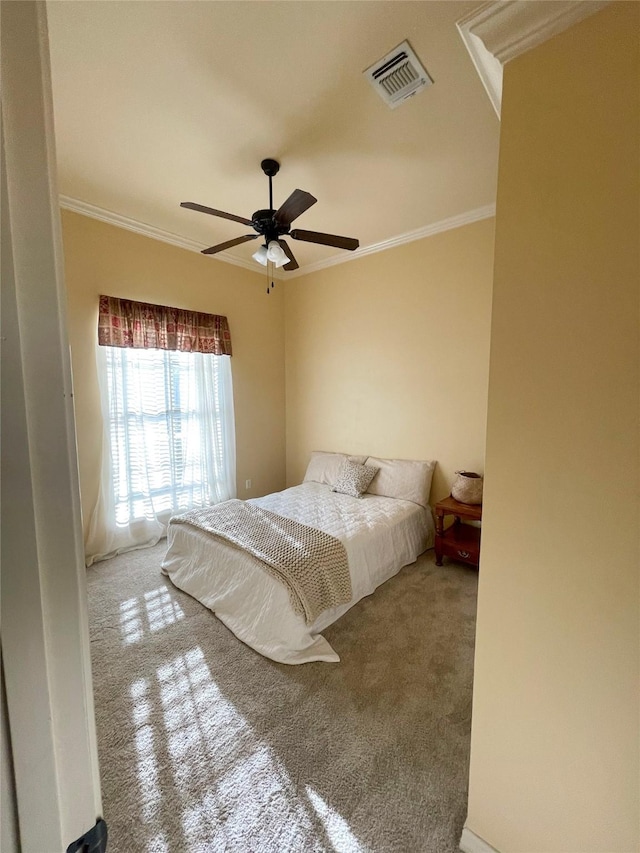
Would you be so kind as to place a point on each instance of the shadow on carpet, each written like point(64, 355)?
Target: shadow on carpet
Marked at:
point(206, 746)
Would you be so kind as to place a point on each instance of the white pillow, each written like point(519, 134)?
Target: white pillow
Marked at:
point(407, 479)
point(354, 478)
point(324, 467)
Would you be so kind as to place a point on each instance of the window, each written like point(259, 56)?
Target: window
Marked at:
point(168, 436)
point(166, 424)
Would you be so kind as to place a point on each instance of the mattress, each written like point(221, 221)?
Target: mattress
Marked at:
point(380, 534)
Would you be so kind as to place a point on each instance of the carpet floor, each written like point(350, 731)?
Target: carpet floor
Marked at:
point(205, 745)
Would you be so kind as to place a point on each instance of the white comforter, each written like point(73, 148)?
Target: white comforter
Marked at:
point(381, 535)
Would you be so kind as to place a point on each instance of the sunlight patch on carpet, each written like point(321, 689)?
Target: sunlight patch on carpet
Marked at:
point(336, 827)
point(248, 797)
point(147, 764)
point(130, 621)
point(160, 611)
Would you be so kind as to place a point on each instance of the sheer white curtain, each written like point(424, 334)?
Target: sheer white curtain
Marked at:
point(168, 443)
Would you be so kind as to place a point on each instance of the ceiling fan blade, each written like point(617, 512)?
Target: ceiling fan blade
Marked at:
point(192, 205)
point(222, 246)
point(349, 243)
point(297, 203)
point(293, 264)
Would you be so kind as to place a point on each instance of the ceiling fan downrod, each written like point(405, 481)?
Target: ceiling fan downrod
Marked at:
point(270, 168)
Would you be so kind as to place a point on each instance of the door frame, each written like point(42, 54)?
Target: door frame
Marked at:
point(45, 632)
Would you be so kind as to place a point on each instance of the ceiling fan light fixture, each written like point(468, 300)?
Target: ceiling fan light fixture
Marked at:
point(276, 254)
point(261, 256)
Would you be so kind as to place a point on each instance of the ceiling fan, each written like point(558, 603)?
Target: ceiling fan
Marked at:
point(272, 225)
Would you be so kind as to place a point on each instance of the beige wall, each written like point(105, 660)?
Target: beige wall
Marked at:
point(388, 355)
point(101, 258)
point(554, 761)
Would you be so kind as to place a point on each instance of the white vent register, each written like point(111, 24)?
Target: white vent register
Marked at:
point(398, 75)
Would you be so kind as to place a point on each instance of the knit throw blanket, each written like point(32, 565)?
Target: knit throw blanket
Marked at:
point(310, 563)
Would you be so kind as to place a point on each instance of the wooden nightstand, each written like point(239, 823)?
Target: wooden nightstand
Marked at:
point(459, 541)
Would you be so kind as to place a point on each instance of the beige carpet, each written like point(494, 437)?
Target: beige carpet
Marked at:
point(207, 746)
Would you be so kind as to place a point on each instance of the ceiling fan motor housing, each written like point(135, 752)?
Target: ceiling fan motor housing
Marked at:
point(264, 223)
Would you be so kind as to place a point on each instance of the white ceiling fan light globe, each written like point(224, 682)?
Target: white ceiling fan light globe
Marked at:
point(261, 256)
point(276, 254)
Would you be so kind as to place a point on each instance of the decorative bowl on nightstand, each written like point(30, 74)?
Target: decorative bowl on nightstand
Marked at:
point(467, 488)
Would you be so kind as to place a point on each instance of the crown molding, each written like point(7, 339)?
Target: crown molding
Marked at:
point(499, 31)
point(488, 67)
point(470, 216)
point(111, 218)
point(511, 27)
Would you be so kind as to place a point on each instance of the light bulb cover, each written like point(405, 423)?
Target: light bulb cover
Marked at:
point(261, 256)
point(276, 253)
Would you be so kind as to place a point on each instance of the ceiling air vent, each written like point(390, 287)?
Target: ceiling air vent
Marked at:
point(398, 75)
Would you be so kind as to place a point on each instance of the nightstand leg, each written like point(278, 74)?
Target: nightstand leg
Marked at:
point(439, 532)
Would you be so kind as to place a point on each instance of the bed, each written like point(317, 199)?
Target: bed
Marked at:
point(380, 533)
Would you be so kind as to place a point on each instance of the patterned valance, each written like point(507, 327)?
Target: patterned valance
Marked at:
point(140, 325)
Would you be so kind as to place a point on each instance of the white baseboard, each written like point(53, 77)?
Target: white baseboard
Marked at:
point(472, 843)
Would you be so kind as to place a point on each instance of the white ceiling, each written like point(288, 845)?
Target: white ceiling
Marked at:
point(162, 102)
